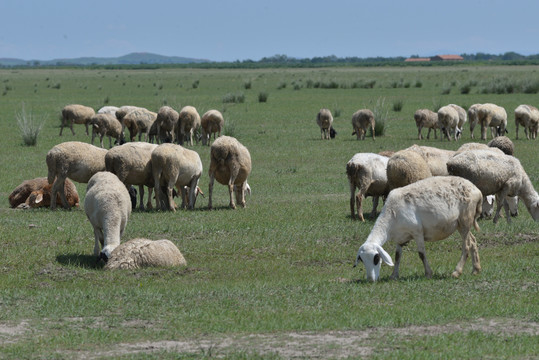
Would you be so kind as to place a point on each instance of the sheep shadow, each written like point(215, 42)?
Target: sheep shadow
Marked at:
point(80, 260)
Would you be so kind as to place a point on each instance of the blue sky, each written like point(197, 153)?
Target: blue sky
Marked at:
point(241, 29)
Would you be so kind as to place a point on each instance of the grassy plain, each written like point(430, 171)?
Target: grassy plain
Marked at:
point(260, 281)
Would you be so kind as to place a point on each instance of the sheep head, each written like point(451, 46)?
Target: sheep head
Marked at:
point(372, 255)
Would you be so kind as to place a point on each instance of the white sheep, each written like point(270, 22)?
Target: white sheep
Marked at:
point(138, 253)
point(436, 158)
point(139, 121)
point(174, 165)
point(428, 210)
point(493, 116)
point(367, 172)
point(361, 121)
point(105, 124)
point(488, 205)
point(472, 116)
point(188, 121)
point(495, 173)
point(448, 119)
point(75, 160)
point(212, 122)
point(503, 143)
point(108, 206)
point(425, 118)
point(76, 114)
point(526, 116)
point(230, 164)
point(132, 164)
point(108, 110)
point(324, 119)
point(462, 120)
point(166, 120)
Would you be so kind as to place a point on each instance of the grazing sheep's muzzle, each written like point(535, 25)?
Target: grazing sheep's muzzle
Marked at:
point(102, 256)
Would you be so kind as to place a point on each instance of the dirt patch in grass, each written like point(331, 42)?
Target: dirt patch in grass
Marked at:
point(503, 239)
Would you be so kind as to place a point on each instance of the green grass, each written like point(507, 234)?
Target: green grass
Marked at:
point(281, 266)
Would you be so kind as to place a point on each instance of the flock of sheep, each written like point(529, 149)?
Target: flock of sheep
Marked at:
point(430, 193)
point(111, 174)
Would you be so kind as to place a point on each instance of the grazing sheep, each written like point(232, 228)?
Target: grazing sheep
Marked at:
point(448, 119)
point(230, 164)
point(212, 122)
point(107, 206)
point(37, 193)
point(495, 173)
point(406, 167)
point(472, 116)
point(367, 172)
point(174, 165)
point(166, 120)
point(139, 253)
point(527, 116)
point(488, 205)
point(494, 116)
point(106, 124)
point(132, 164)
point(428, 210)
point(425, 118)
point(504, 144)
point(436, 158)
point(462, 120)
point(361, 121)
point(108, 110)
point(124, 110)
point(139, 121)
point(76, 114)
point(188, 120)
point(75, 160)
point(324, 119)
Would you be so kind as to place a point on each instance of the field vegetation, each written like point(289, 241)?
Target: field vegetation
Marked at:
point(274, 280)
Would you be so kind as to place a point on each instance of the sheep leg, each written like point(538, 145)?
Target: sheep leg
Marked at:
point(86, 124)
point(171, 203)
point(141, 197)
point(506, 209)
point(210, 190)
point(157, 179)
point(99, 240)
point(475, 254)
point(419, 137)
point(101, 141)
point(420, 241)
point(149, 203)
point(184, 196)
point(398, 254)
point(71, 127)
point(483, 132)
point(240, 195)
point(465, 250)
point(500, 201)
point(374, 206)
point(373, 132)
point(192, 194)
point(352, 200)
point(54, 191)
point(435, 136)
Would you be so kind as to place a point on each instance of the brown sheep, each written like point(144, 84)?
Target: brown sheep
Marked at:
point(361, 120)
point(212, 122)
point(166, 120)
point(76, 114)
point(37, 193)
point(188, 121)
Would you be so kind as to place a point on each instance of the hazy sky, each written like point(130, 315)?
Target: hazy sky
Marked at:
point(229, 30)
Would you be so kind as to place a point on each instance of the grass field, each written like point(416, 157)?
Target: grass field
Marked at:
point(274, 280)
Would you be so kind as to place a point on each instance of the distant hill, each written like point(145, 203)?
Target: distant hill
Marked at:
point(129, 59)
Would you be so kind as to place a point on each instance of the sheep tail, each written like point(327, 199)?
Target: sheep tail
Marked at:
point(478, 210)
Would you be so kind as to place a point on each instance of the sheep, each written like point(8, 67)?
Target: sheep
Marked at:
point(436, 158)
point(106, 124)
point(488, 205)
point(527, 116)
point(406, 167)
point(472, 116)
point(139, 121)
point(131, 163)
point(108, 207)
point(108, 110)
point(37, 193)
point(472, 146)
point(138, 253)
point(448, 119)
point(212, 122)
point(230, 164)
point(491, 115)
point(428, 210)
point(462, 120)
point(367, 172)
point(75, 160)
point(124, 110)
point(174, 165)
point(324, 119)
point(188, 120)
point(76, 114)
point(166, 120)
point(361, 120)
point(503, 143)
point(496, 173)
point(425, 118)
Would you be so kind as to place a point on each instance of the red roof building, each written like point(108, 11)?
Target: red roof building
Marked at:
point(446, 57)
point(417, 59)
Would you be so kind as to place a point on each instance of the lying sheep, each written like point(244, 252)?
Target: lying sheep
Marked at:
point(108, 207)
point(406, 167)
point(139, 253)
point(75, 160)
point(425, 118)
point(212, 122)
point(106, 125)
point(139, 121)
point(428, 210)
point(472, 116)
point(36, 193)
point(166, 120)
point(495, 173)
point(448, 119)
point(174, 165)
point(503, 143)
point(76, 114)
point(367, 172)
point(132, 164)
point(462, 120)
point(230, 164)
point(324, 119)
point(361, 121)
point(526, 116)
point(188, 120)
point(493, 116)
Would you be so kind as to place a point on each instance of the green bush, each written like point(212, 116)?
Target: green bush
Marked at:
point(381, 116)
point(397, 105)
point(262, 96)
point(29, 126)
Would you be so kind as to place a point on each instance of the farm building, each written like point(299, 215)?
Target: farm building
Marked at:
point(435, 58)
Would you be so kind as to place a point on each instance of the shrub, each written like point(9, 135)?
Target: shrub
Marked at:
point(436, 104)
point(418, 84)
point(234, 98)
point(262, 96)
point(381, 116)
point(29, 126)
point(465, 89)
point(281, 85)
point(336, 112)
point(247, 84)
point(195, 84)
point(230, 129)
point(397, 105)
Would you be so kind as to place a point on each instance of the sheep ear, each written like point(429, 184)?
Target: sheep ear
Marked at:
point(385, 256)
point(39, 198)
